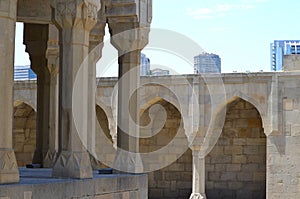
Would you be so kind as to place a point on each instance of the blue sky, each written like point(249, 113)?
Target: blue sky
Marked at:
point(240, 31)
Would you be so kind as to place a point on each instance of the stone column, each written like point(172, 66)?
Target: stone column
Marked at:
point(95, 53)
point(198, 191)
point(35, 39)
point(95, 49)
point(74, 19)
point(129, 45)
point(9, 172)
point(52, 55)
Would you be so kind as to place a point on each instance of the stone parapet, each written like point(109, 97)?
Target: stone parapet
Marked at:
point(37, 183)
point(291, 63)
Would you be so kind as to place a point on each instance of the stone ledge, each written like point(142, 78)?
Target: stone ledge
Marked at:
point(40, 184)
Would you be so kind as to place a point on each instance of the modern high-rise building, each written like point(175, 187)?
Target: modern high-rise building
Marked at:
point(145, 65)
point(207, 63)
point(24, 73)
point(279, 48)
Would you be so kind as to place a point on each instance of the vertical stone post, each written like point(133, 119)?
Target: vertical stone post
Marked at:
point(9, 172)
point(129, 52)
point(198, 191)
point(35, 39)
point(74, 19)
point(52, 55)
point(95, 53)
point(129, 30)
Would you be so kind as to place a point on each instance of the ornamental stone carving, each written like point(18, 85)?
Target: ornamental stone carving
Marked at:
point(71, 13)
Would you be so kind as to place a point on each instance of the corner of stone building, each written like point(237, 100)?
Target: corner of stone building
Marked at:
point(291, 63)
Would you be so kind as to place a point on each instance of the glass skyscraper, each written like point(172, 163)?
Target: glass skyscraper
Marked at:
point(145, 65)
point(279, 48)
point(207, 63)
point(24, 73)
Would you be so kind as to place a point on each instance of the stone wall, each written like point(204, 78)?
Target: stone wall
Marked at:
point(283, 169)
point(236, 167)
point(174, 181)
point(24, 133)
point(291, 63)
point(275, 95)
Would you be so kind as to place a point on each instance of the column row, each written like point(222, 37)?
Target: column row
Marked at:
point(66, 83)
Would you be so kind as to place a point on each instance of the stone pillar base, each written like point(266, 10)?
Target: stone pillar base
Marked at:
point(198, 196)
point(49, 159)
point(73, 165)
point(9, 172)
point(128, 162)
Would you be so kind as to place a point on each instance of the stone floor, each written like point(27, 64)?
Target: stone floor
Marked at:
point(38, 183)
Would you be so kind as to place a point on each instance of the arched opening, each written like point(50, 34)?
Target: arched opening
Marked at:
point(103, 121)
point(104, 125)
point(24, 133)
point(173, 181)
point(236, 166)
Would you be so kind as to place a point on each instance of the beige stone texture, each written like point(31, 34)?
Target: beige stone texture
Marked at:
point(24, 133)
point(262, 91)
point(242, 162)
point(74, 84)
point(266, 104)
point(175, 180)
point(8, 166)
point(291, 63)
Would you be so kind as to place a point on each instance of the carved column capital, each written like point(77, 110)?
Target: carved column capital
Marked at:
point(52, 55)
point(74, 13)
point(127, 37)
point(135, 11)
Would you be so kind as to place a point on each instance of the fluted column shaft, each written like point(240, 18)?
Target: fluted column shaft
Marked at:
point(129, 40)
point(95, 53)
point(52, 55)
point(74, 19)
point(8, 166)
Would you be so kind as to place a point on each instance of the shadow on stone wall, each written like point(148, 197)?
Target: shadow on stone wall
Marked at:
point(236, 167)
point(24, 133)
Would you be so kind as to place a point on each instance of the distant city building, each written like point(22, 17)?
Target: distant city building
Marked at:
point(159, 72)
point(207, 63)
point(280, 48)
point(145, 65)
point(24, 73)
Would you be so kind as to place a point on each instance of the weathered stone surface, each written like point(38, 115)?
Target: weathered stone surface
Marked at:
point(74, 19)
point(8, 165)
point(282, 165)
point(38, 183)
point(237, 163)
point(291, 63)
point(9, 172)
point(73, 164)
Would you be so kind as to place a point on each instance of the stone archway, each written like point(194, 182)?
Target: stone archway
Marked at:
point(100, 139)
point(175, 180)
point(236, 166)
point(103, 121)
point(24, 133)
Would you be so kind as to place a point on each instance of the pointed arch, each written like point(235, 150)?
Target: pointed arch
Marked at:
point(237, 156)
point(24, 132)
